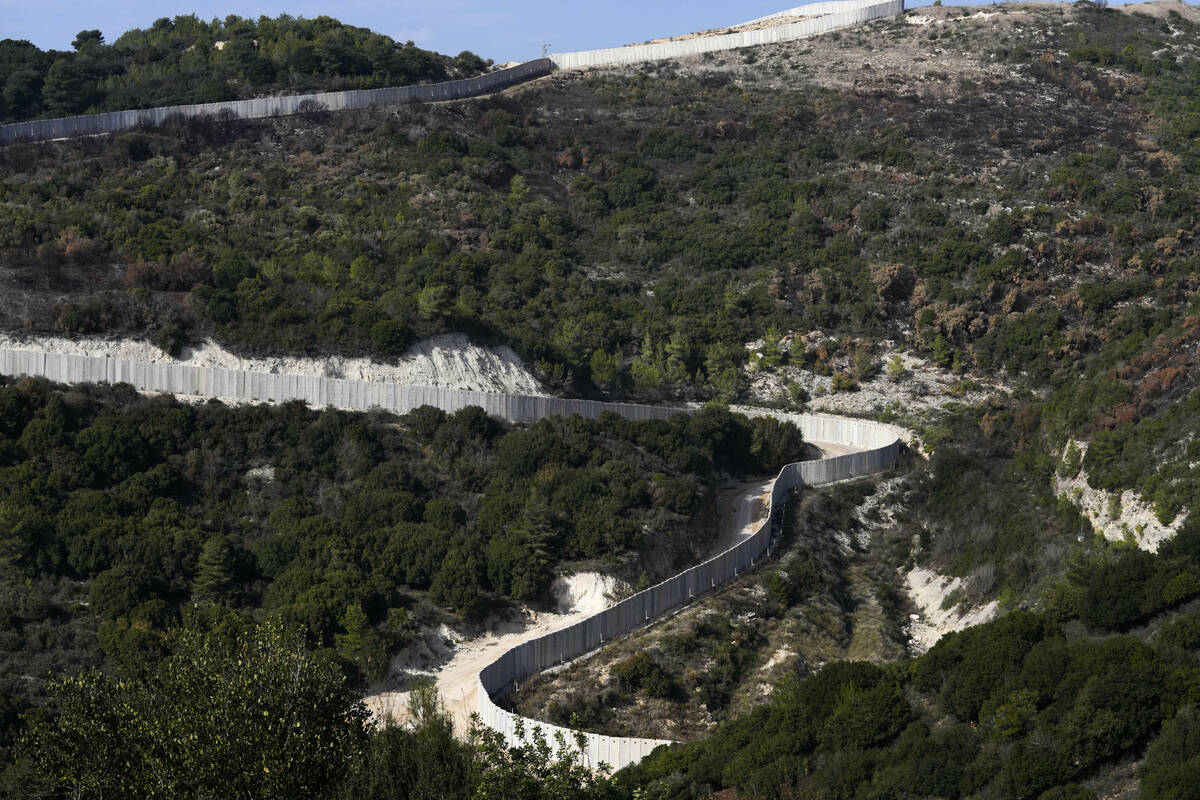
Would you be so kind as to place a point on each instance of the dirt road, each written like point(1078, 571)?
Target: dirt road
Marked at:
point(457, 680)
point(742, 507)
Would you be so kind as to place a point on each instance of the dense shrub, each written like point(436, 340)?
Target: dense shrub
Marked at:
point(641, 673)
point(1052, 710)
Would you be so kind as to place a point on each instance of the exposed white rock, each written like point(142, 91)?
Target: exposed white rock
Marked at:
point(450, 361)
point(777, 658)
point(929, 592)
point(584, 592)
point(1117, 517)
point(876, 511)
point(920, 385)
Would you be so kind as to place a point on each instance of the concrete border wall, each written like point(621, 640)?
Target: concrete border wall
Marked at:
point(824, 17)
point(353, 395)
point(257, 108)
point(880, 443)
point(808, 10)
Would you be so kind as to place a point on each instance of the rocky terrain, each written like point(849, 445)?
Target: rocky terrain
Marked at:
point(451, 361)
point(1117, 516)
point(893, 381)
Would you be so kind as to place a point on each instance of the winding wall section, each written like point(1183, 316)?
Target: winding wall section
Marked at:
point(821, 17)
point(879, 444)
point(881, 447)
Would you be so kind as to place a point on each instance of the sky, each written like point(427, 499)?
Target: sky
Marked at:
point(503, 30)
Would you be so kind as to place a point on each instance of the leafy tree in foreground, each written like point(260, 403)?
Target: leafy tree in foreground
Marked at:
point(536, 770)
point(252, 714)
point(421, 760)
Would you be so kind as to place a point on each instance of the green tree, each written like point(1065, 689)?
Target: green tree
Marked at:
point(421, 760)
point(647, 367)
point(772, 353)
point(537, 769)
point(86, 39)
point(606, 367)
point(435, 300)
point(1172, 765)
point(721, 364)
point(867, 717)
point(775, 443)
point(252, 714)
point(359, 644)
point(519, 560)
point(214, 572)
point(865, 364)
point(457, 583)
point(63, 91)
point(679, 357)
point(943, 355)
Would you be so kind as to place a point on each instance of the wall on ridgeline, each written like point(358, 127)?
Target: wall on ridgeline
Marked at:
point(829, 16)
point(810, 10)
point(824, 16)
point(257, 108)
point(880, 445)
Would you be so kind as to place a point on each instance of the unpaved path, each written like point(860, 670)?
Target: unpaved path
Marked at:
point(742, 507)
point(579, 596)
point(831, 449)
point(457, 681)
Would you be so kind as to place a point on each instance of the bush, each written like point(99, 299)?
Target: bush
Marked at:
point(866, 718)
point(1171, 768)
point(843, 382)
point(1115, 597)
point(642, 673)
point(1182, 631)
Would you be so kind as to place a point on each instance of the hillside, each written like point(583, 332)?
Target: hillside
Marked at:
point(979, 223)
point(187, 60)
point(630, 232)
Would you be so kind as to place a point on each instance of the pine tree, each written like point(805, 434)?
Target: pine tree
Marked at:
point(214, 572)
point(647, 367)
point(679, 354)
point(361, 644)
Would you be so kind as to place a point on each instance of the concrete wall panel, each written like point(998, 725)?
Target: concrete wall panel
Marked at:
point(114, 121)
point(824, 17)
